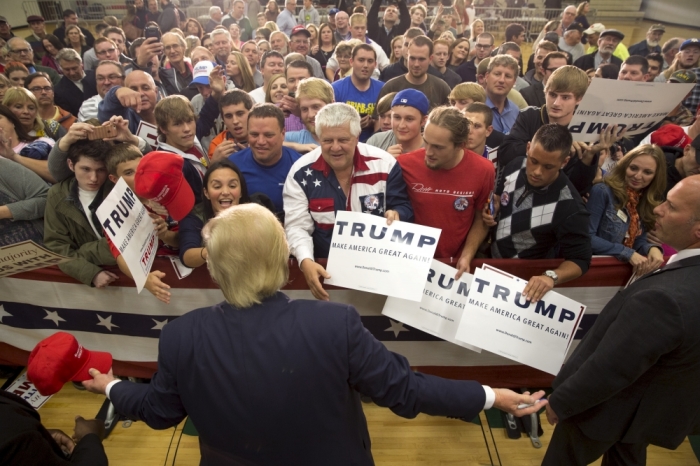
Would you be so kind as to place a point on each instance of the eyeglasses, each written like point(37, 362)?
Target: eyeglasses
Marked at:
point(483, 47)
point(111, 77)
point(21, 51)
point(106, 51)
point(37, 90)
point(552, 70)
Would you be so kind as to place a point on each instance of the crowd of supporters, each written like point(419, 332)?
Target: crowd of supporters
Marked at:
point(410, 112)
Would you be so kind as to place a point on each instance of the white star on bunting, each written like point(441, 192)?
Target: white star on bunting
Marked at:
point(308, 172)
point(159, 325)
point(54, 317)
point(3, 313)
point(303, 182)
point(396, 327)
point(317, 183)
point(107, 323)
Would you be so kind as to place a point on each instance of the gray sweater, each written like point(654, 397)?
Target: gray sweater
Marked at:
point(26, 189)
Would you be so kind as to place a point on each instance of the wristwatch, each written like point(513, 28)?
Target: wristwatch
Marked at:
point(551, 274)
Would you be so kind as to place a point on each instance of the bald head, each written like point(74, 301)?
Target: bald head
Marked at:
point(678, 219)
point(142, 82)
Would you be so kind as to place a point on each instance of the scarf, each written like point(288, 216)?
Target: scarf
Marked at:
point(634, 228)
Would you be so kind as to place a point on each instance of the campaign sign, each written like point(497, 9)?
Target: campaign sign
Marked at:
point(498, 319)
point(148, 132)
point(25, 257)
point(26, 390)
point(635, 106)
point(367, 254)
point(440, 311)
point(130, 229)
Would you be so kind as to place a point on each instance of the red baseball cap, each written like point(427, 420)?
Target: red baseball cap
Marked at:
point(670, 135)
point(60, 358)
point(159, 178)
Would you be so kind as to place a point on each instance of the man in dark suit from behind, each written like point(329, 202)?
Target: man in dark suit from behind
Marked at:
point(268, 380)
point(76, 85)
point(634, 379)
point(25, 441)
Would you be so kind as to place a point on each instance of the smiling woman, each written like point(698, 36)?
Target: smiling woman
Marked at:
point(224, 187)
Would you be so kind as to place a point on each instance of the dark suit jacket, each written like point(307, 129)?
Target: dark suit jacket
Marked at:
point(69, 97)
point(534, 94)
point(278, 383)
point(587, 61)
point(635, 377)
point(24, 441)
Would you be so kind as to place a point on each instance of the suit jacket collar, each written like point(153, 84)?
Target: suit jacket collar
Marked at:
point(693, 261)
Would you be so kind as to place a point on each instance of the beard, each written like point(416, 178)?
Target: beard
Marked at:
point(652, 43)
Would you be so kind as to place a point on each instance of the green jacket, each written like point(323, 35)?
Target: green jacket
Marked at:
point(68, 232)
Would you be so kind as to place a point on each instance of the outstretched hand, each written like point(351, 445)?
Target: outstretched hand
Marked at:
point(508, 401)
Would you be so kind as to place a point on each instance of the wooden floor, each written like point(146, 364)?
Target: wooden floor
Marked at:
point(424, 441)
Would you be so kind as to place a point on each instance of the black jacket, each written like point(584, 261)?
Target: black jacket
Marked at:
point(169, 18)
point(23, 440)
point(626, 378)
point(526, 125)
point(69, 97)
point(377, 32)
point(534, 94)
point(467, 71)
point(587, 61)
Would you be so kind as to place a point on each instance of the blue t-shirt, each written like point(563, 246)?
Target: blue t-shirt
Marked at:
point(300, 137)
point(268, 180)
point(363, 102)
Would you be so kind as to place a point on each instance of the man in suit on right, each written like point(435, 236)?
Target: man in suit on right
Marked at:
point(76, 85)
point(634, 379)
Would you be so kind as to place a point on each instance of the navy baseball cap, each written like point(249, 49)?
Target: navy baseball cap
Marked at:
point(333, 11)
point(412, 98)
point(690, 42)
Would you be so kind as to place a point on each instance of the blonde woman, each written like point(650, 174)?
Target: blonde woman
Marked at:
point(476, 29)
point(396, 47)
point(24, 106)
point(313, 30)
point(239, 73)
point(272, 26)
point(192, 42)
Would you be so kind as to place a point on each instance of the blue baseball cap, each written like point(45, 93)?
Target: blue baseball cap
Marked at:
point(690, 42)
point(333, 11)
point(412, 98)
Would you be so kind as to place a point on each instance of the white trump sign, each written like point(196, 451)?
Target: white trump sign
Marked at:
point(367, 254)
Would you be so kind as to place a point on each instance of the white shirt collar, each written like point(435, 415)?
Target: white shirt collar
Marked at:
point(684, 254)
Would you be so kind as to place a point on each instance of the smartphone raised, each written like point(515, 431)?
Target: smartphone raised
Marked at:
point(102, 132)
point(152, 31)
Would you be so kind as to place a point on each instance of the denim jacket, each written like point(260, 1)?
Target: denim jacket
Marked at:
point(607, 229)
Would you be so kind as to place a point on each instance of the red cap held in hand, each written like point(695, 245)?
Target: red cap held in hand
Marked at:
point(159, 178)
point(60, 358)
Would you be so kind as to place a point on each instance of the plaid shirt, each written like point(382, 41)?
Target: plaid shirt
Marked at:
point(693, 101)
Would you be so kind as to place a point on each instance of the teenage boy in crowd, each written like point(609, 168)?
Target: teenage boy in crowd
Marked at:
point(409, 111)
point(71, 227)
point(480, 119)
point(235, 105)
point(312, 94)
point(539, 213)
point(441, 53)
point(359, 89)
point(563, 92)
point(449, 185)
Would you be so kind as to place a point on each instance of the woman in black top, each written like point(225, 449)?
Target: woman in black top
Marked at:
point(323, 51)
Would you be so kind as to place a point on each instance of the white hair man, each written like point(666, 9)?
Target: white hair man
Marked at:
point(215, 16)
point(343, 161)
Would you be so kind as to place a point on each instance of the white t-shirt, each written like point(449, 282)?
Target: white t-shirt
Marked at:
point(258, 95)
point(86, 198)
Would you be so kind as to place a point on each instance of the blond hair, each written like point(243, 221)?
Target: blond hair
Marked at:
point(20, 95)
point(471, 91)
point(504, 60)
point(247, 254)
point(173, 110)
point(315, 88)
point(358, 18)
point(568, 78)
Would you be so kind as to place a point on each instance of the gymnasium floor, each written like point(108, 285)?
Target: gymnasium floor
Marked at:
point(424, 441)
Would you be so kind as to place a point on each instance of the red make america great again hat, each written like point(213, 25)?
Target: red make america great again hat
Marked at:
point(60, 358)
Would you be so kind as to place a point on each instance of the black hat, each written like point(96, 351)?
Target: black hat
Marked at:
point(575, 27)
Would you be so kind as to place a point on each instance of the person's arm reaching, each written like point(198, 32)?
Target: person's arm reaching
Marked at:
point(397, 195)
